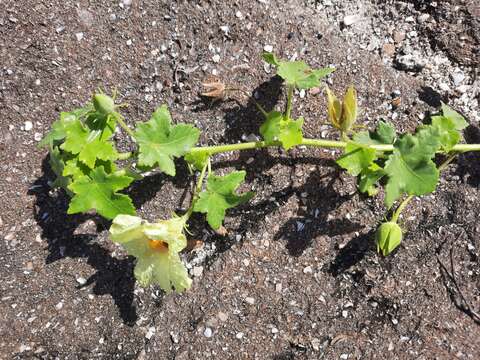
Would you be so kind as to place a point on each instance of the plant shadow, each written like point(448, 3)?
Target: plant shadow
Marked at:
point(72, 236)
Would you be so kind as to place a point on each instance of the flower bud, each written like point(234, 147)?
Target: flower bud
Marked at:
point(388, 237)
point(103, 104)
point(342, 115)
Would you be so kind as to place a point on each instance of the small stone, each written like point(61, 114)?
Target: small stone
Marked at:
point(81, 280)
point(315, 344)
point(129, 42)
point(239, 14)
point(410, 19)
point(394, 321)
point(250, 300)
point(37, 136)
point(225, 29)
point(351, 19)
point(278, 287)
point(345, 313)
point(398, 36)
point(239, 335)
point(208, 332)
point(444, 86)
point(59, 306)
point(246, 262)
point(150, 332)
point(216, 58)
point(79, 36)
point(38, 82)
point(222, 316)
point(458, 77)
point(268, 48)
point(28, 125)
point(9, 236)
point(302, 93)
point(389, 49)
point(197, 271)
point(307, 270)
point(274, 330)
point(127, 2)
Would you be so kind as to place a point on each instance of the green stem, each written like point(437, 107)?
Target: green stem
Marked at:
point(197, 190)
point(257, 104)
point(288, 111)
point(400, 208)
point(125, 155)
point(125, 127)
point(309, 142)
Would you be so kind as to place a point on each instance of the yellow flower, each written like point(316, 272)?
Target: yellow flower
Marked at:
point(156, 247)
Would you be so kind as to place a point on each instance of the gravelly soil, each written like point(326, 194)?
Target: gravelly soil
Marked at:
point(297, 276)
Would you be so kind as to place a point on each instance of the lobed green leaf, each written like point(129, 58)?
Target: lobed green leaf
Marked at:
point(221, 195)
point(99, 191)
point(159, 142)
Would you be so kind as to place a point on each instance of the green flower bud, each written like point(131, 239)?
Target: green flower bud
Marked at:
point(388, 237)
point(103, 104)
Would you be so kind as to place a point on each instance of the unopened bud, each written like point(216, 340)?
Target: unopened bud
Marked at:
point(388, 237)
point(103, 104)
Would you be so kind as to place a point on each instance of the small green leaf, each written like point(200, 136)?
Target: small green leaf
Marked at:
point(410, 168)
point(57, 164)
point(270, 58)
point(160, 142)
point(356, 158)
point(220, 195)
point(444, 129)
point(58, 132)
point(197, 159)
point(458, 120)
point(368, 179)
point(297, 73)
point(383, 134)
point(90, 145)
point(278, 128)
point(99, 191)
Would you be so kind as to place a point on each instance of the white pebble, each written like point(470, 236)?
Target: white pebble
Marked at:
point(28, 125)
point(239, 335)
point(129, 42)
point(59, 306)
point(250, 300)
point(307, 270)
point(216, 58)
point(150, 332)
point(208, 332)
point(81, 280)
point(268, 48)
point(239, 14)
point(351, 19)
point(79, 36)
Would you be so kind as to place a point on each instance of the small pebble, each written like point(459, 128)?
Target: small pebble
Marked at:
point(79, 36)
point(197, 271)
point(216, 58)
point(81, 280)
point(222, 316)
point(239, 335)
point(208, 332)
point(28, 125)
point(307, 270)
point(351, 19)
point(250, 300)
point(268, 48)
point(59, 306)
